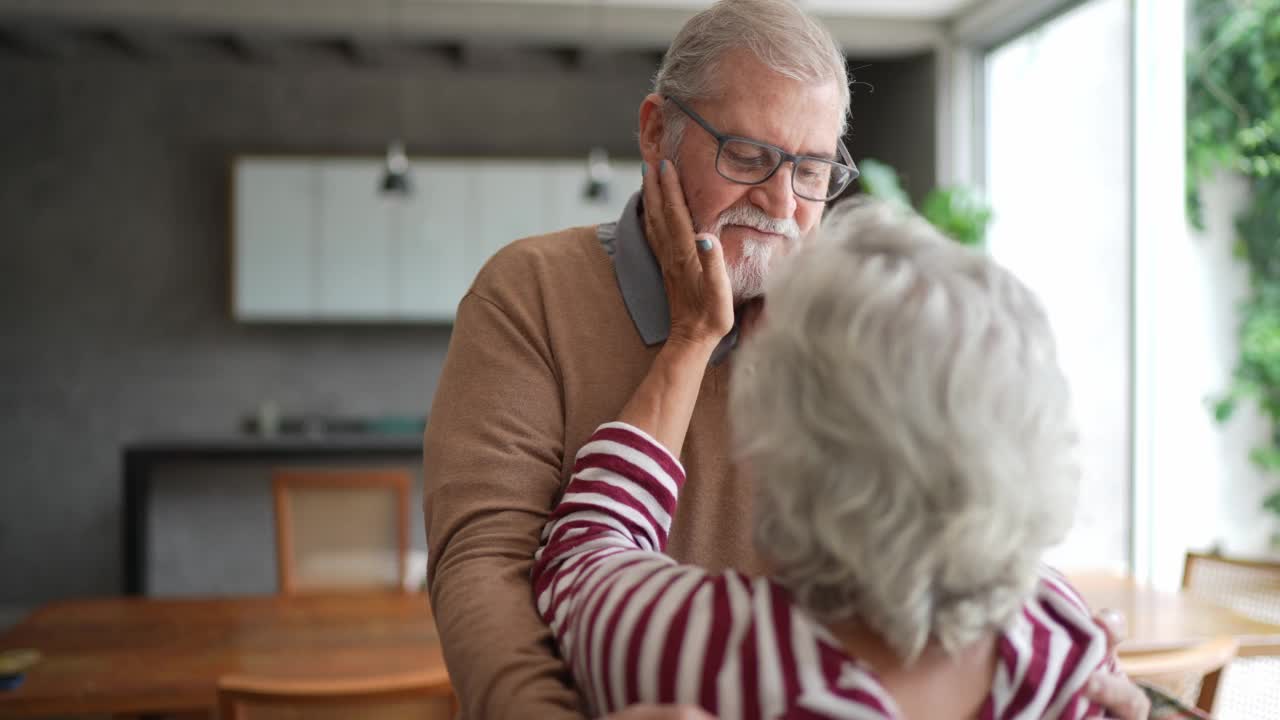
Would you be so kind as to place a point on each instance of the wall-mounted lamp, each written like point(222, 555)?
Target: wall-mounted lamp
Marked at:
point(599, 172)
point(395, 171)
point(396, 182)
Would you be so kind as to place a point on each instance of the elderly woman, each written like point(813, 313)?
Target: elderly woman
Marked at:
point(902, 414)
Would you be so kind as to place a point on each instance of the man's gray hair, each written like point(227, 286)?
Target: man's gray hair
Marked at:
point(777, 32)
point(906, 421)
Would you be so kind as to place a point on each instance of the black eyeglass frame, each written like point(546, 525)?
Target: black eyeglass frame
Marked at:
point(783, 156)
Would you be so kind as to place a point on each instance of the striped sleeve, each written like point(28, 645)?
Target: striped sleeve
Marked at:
point(1048, 655)
point(600, 579)
point(621, 496)
point(633, 625)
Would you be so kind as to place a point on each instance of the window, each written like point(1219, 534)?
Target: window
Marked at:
point(1057, 170)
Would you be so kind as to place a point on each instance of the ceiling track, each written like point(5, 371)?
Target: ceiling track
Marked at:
point(368, 25)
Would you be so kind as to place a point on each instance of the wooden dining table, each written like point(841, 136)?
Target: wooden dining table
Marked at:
point(148, 655)
point(1161, 620)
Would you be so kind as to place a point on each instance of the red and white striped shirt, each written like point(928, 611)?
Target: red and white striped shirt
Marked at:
point(635, 626)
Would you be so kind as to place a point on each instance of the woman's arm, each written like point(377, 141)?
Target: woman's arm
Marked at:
point(600, 559)
point(701, 305)
point(663, 403)
point(626, 480)
point(632, 625)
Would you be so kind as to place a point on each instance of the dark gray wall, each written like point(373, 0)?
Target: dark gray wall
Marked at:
point(893, 118)
point(114, 254)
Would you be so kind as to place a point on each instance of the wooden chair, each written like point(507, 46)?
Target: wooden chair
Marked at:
point(341, 529)
point(1188, 674)
point(1250, 588)
point(425, 695)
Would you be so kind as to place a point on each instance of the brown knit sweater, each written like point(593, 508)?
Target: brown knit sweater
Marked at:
point(543, 351)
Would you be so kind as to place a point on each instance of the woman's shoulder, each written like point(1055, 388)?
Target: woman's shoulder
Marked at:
point(1056, 588)
point(1058, 609)
point(1057, 617)
point(1048, 652)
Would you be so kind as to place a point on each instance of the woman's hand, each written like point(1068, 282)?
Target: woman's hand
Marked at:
point(701, 312)
point(693, 269)
point(1116, 693)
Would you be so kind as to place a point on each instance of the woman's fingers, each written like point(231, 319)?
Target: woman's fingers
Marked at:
point(674, 207)
point(697, 284)
point(1114, 624)
point(655, 226)
point(668, 218)
point(1118, 696)
point(715, 280)
point(1115, 692)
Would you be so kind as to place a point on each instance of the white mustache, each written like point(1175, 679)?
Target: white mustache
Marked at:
point(753, 217)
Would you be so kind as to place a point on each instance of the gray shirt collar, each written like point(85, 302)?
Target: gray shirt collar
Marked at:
point(640, 279)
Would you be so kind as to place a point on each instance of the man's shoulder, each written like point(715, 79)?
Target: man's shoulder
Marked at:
point(533, 270)
point(568, 253)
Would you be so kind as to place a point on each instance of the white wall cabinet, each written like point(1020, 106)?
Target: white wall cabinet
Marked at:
point(353, 243)
point(274, 226)
point(435, 226)
point(314, 240)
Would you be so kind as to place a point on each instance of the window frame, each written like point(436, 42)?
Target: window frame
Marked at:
point(1156, 173)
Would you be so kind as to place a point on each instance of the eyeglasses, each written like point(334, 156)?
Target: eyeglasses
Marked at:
point(750, 162)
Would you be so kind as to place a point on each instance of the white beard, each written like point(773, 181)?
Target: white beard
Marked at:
point(747, 276)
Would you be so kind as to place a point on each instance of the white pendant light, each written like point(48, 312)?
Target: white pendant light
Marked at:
point(396, 181)
point(395, 171)
point(599, 172)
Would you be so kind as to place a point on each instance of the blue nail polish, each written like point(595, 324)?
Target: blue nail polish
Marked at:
point(662, 166)
point(644, 167)
point(704, 244)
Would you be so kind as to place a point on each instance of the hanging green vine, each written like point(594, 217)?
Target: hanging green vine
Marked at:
point(1233, 123)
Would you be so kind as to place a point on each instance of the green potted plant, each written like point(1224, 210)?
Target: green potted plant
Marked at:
point(957, 211)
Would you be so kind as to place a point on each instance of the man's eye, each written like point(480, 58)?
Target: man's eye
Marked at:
point(747, 155)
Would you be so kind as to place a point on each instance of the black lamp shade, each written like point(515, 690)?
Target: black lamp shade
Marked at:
point(396, 183)
point(395, 173)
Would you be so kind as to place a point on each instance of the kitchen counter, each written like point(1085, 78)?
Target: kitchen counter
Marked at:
point(140, 459)
point(329, 443)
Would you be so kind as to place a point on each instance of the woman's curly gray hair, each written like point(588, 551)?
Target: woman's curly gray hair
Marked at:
point(908, 427)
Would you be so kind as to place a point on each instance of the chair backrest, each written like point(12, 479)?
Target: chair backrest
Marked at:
point(424, 695)
point(1250, 587)
point(1190, 674)
point(341, 529)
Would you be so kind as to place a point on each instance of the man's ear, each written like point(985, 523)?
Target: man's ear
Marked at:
point(651, 127)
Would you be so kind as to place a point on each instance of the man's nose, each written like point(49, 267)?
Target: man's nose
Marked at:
point(775, 196)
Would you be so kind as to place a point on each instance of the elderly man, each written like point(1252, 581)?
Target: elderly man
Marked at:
point(557, 330)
